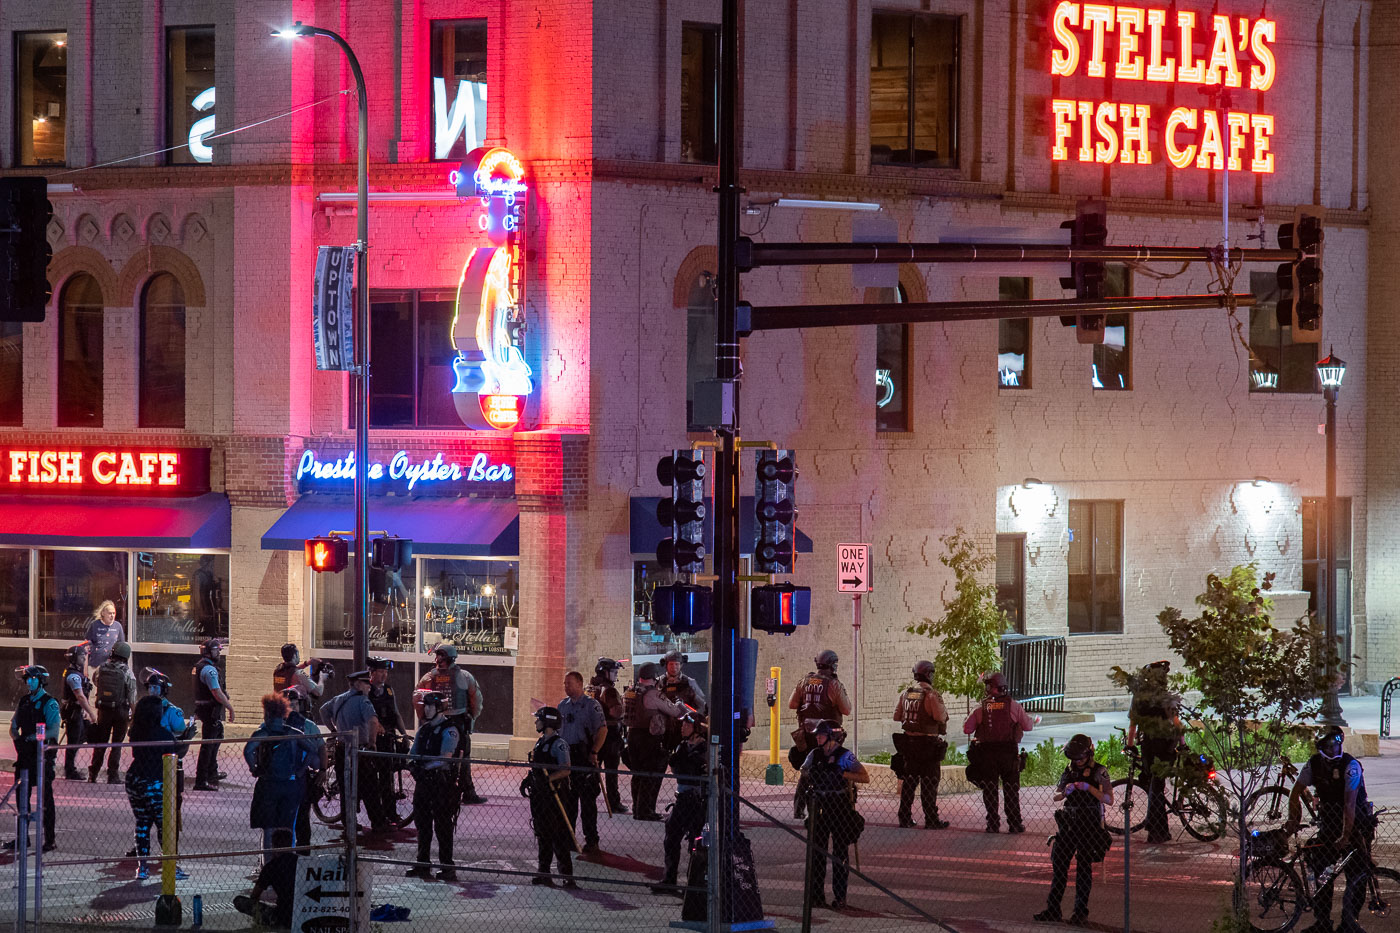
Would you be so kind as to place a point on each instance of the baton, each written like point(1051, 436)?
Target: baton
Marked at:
point(554, 792)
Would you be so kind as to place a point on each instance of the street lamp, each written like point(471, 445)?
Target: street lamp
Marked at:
point(361, 370)
point(1330, 370)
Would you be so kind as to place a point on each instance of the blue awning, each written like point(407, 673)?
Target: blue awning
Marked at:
point(646, 531)
point(449, 527)
point(146, 524)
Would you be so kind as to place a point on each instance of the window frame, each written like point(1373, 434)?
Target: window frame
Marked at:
point(953, 163)
point(416, 296)
point(1017, 620)
point(14, 369)
point(452, 23)
point(17, 38)
point(1110, 291)
point(1314, 569)
point(1095, 607)
point(708, 154)
point(703, 280)
point(179, 154)
point(142, 362)
point(901, 296)
point(1264, 287)
point(63, 311)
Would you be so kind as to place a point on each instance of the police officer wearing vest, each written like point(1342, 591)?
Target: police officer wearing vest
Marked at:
point(435, 797)
point(603, 688)
point(648, 713)
point(34, 708)
point(210, 704)
point(921, 747)
point(76, 708)
point(116, 695)
point(1345, 821)
point(310, 675)
point(584, 730)
point(830, 773)
point(1154, 723)
point(353, 714)
point(316, 763)
point(996, 727)
point(1086, 788)
point(679, 688)
point(690, 764)
point(460, 687)
point(155, 719)
point(547, 786)
point(817, 697)
point(394, 739)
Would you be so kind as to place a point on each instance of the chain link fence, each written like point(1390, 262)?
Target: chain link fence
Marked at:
point(893, 865)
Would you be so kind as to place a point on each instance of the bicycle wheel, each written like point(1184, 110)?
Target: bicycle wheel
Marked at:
point(1202, 812)
point(328, 805)
point(1113, 816)
point(1267, 809)
point(1383, 893)
point(1272, 896)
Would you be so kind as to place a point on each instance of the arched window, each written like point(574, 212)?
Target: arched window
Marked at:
point(80, 353)
point(161, 396)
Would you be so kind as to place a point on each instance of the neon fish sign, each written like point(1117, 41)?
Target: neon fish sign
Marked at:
point(492, 379)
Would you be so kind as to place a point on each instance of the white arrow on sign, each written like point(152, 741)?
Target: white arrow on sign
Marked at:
point(853, 568)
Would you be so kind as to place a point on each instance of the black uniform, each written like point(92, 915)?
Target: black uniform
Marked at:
point(602, 689)
point(1152, 712)
point(435, 797)
point(29, 713)
point(546, 798)
point(687, 691)
point(145, 779)
point(1080, 824)
point(834, 820)
point(211, 727)
point(115, 698)
point(687, 819)
point(1329, 778)
point(73, 722)
point(384, 769)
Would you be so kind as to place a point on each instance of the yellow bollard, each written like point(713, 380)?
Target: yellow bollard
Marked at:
point(168, 905)
point(773, 775)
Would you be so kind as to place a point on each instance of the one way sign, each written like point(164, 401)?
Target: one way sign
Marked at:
point(853, 568)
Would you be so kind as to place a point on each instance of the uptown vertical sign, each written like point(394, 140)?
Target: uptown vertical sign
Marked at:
point(1225, 56)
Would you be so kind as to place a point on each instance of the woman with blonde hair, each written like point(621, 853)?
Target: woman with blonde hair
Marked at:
point(103, 633)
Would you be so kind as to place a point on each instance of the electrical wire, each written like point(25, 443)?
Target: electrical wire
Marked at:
point(208, 137)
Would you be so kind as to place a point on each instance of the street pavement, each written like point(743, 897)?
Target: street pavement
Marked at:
point(970, 880)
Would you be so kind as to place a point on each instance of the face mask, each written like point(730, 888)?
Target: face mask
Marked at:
point(1332, 750)
point(32, 683)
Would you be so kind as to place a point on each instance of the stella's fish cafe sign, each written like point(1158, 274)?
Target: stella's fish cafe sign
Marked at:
point(1230, 59)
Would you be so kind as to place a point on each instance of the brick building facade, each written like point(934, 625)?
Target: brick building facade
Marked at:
point(611, 113)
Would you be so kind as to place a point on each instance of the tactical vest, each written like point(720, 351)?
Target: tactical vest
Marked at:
point(430, 739)
point(147, 726)
point(111, 685)
point(828, 777)
point(606, 695)
point(912, 714)
point(445, 683)
point(28, 715)
point(70, 699)
point(1081, 799)
point(549, 750)
point(284, 675)
point(683, 691)
point(1329, 777)
point(997, 725)
point(385, 708)
point(690, 760)
point(634, 712)
point(202, 694)
point(817, 701)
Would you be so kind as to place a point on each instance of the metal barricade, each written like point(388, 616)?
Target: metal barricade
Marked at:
point(1387, 692)
point(1034, 667)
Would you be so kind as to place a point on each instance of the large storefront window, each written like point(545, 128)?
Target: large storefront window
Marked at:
point(473, 604)
point(72, 584)
point(14, 593)
point(649, 638)
point(391, 609)
point(181, 599)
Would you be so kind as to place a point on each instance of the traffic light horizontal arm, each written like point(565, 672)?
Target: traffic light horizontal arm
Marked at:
point(754, 255)
point(788, 317)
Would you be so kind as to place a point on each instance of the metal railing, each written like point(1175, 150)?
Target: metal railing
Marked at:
point(1034, 667)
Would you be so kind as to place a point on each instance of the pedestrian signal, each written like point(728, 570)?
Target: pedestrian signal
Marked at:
point(327, 554)
point(684, 608)
point(780, 607)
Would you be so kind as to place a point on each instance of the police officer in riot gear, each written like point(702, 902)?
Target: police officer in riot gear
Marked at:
point(435, 797)
point(1154, 723)
point(76, 708)
point(817, 697)
point(648, 714)
point(996, 727)
point(1345, 822)
point(921, 747)
point(690, 765)
point(1086, 788)
point(603, 688)
point(37, 707)
point(392, 740)
point(547, 786)
point(310, 675)
point(679, 688)
point(830, 773)
point(460, 687)
point(210, 704)
point(116, 694)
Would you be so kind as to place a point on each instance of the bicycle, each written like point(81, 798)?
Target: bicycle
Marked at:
point(327, 797)
point(1267, 807)
point(1194, 799)
point(1275, 893)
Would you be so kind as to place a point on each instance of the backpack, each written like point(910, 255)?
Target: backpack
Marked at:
point(111, 686)
point(281, 759)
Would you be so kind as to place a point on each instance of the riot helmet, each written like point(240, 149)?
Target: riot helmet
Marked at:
point(827, 659)
point(995, 682)
point(1080, 746)
point(608, 668)
point(647, 671)
point(33, 670)
point(157, 684)
point(923, 671)
point(1329, 741)
point(547, 717)
point(121, 650)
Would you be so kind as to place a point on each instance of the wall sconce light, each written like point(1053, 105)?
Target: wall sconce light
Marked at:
point(1261, 480)
point(1030, 481)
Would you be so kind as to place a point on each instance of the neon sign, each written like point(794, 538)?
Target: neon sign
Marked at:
point(492, 379)
point(1238, 54)
point(105, 470)
point(465, 120)
point(437, 471)
point(201, 151)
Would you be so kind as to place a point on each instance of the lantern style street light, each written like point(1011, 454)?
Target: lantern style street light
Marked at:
point(1330, 370)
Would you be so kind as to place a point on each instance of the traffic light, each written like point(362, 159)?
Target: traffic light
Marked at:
point(25, 213)
point(1300, 283)
point(683, 512)
point(1088, 228)
point(684, 608)
point(775, 511)
point(390, 552)
point(327, 554)
point(780, 607)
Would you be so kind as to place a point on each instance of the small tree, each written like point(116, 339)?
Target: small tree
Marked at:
point(971, 623)
point(1258, 684)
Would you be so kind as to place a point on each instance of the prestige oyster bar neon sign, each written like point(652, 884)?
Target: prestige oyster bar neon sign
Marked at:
point(1159, 45)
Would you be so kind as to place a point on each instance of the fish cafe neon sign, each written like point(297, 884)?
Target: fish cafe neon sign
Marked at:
point(107, 471)
point(1131, 45)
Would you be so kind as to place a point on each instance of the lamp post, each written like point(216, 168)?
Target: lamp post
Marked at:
point(1330, 370)
point(360, 373)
